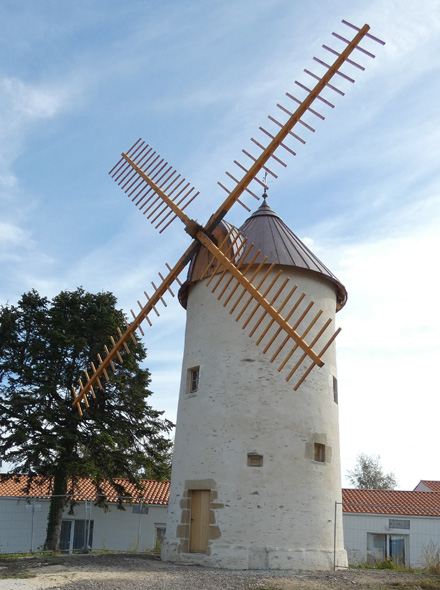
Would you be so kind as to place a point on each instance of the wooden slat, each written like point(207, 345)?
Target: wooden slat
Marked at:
point(249, 288)
point(272, 302)
point(314, 341)
point(297, 385)
point(295, 326)
point(280, 309)
point(303, 335)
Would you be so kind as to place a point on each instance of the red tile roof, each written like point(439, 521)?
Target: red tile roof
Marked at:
point(153, 492)
point(432, 485)
point(391, 502)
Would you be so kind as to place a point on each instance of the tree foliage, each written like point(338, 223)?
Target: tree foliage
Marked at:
point(44, 347)
point(368, 474)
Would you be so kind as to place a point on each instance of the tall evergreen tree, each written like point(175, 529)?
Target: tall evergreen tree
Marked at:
point(44, 347)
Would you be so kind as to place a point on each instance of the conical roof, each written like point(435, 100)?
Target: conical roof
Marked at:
point(268, 232)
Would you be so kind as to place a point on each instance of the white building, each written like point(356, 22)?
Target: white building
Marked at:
point(256, 469)
point(390, 524)
point(139, 527)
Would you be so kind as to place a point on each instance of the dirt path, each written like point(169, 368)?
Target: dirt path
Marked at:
point(138, 572)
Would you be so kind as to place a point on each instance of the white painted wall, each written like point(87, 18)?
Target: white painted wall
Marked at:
point(281, 515)
point(423, 529)
point(23, 525)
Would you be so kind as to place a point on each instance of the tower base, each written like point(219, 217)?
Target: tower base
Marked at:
point(239, 557)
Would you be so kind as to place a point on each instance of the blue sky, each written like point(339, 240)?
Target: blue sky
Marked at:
point(80, 81)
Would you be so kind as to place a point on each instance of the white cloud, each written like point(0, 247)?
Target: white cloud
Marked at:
point(388, 350)
point(33, 102)
point(23, 106)
point(395, 271)
point(12, 236)
point(23, 103)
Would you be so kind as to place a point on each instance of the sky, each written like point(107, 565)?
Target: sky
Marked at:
point(81, 80)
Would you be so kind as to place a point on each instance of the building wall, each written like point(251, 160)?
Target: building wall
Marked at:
point(422, 531)
point(422, 487)
point(23, 525)
point(280, 515)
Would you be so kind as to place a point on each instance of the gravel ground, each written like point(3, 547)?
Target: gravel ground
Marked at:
point(139, 572)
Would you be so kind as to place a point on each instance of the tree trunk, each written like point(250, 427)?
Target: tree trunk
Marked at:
point(57, 504)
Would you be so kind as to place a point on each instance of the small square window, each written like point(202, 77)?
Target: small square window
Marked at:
point(254, 460)
point(319, 452)
point(193, 375)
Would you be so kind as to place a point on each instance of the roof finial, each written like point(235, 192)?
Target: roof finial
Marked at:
point(266, 187)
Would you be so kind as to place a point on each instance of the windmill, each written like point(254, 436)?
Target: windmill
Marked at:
point(277, 310)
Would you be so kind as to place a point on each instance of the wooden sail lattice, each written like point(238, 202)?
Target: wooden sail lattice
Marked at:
point(126, 337)
point(269, 306)
point(280, 133)
point(162, 195)
point(145, 177)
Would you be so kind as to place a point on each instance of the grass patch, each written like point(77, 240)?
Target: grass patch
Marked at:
point(388, 564)
point(22, 576)
point(10, 556)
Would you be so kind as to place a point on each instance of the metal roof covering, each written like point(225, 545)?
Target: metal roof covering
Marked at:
point(391, 502)
point(268, 232)
point(26, 486)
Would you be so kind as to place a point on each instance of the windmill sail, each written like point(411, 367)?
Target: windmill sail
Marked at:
point(153, 185)
point(113, 354)
point(162, 194)
point(285, 131)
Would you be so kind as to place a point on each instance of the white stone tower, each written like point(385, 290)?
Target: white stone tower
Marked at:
point(256, 469)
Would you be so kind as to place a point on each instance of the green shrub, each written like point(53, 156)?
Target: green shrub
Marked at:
point(386, 564)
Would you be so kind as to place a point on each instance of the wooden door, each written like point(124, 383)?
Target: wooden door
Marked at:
point(199, 528)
